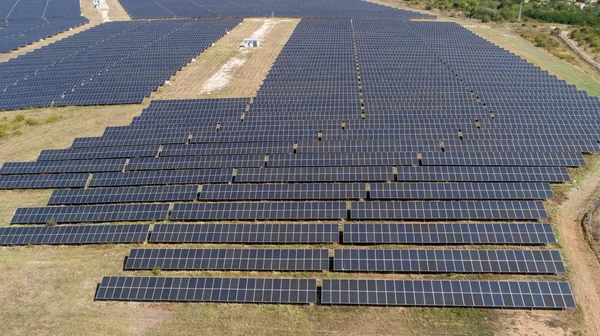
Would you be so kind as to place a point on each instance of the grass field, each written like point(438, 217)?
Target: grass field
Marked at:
point(49, 290)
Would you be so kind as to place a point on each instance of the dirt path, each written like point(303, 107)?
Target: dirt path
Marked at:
point(585, 268)
point(564, 36)
point(248, 69)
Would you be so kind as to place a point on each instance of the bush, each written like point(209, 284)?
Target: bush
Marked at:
point(156, 271)
point(31, 121)
point(53, 118)
point(19, 118)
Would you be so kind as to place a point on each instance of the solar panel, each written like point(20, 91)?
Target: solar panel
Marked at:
point(296, 233)
point(283, 191)
point(124, 195)
point(482, 174)
point(450, 233)
point(196, 162)
point(343, 159)
point(51, 181)
point(111, 63)
point(91, 213)
point(44, 167)
point(69, 235)
point(315, 174)
point(449, 293)
point(161, 177)
point(393, 191)
point(229, 259)
point(435, 210)
point(144, 9)
point(449, 261)
point(540, 159)
point(86, 153)
point(176, 289)
point(258, 211)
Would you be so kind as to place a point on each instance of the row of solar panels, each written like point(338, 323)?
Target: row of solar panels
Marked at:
point(531, 159)
point(293, 211)
point(297, 233)
point(435, 293)
point(218, 149)
point(289, 175)
point(209, 134)
point(325, 191)
point(147, 9)
point(346, 260)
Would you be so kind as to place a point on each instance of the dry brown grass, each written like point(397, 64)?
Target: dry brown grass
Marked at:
point(50, 290)
point(71, 122)
point(74, 122)
point(5, 57)
point(246, 80)
point(116, 12)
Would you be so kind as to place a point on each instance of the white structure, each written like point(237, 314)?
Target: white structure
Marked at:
point(251, 43)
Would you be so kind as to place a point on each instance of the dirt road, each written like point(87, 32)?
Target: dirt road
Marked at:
point(585, 268)
point(564, 36)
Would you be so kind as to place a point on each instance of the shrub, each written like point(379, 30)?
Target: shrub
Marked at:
point(156, 271)
point(19, 118)
point(31, 121)
point(53, 118)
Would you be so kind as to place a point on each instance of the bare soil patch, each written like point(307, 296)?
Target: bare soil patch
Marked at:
point(243, 79)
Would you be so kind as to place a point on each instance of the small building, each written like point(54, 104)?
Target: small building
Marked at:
point(251, 43)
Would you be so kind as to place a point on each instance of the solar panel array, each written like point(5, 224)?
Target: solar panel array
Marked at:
point(395, 129)
point(146, 9)
point(154, 289)
point(113, 63)
point(229, 259)
point(19, 33)
point(448, 293)
point(79, 234)
point(33, 9)
point(450, 261)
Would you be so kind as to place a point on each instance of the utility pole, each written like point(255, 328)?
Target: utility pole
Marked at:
point(520, 9)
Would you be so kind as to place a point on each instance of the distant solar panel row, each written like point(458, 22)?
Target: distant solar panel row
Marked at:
point(410, 261)
point(91, 214)
point(245, 233)
point(290, 174)
point(146, 9)
point(66, 235)
point(451, 261)
point(455, 233)
point(229, 259)
point(50, 181)
point(124, 195)
point(399, 210)
point(451, 233)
